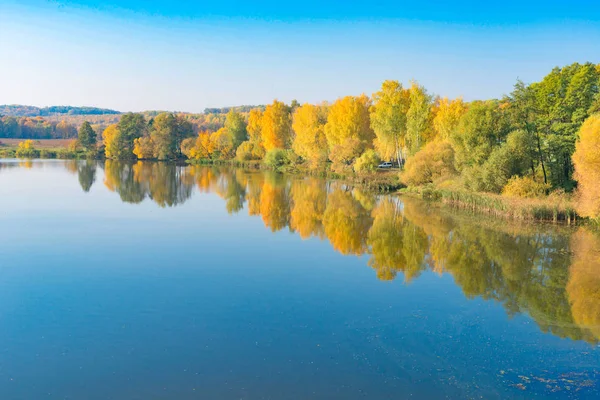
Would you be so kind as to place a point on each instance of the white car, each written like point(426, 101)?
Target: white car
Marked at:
point(385, 165)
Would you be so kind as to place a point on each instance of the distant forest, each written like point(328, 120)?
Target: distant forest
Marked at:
point(62, 122)
point(17, 110)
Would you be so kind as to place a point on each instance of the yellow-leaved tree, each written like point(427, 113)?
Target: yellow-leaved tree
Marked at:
point(276, 126)
point(587, 168)
point(255, 125)
point(348, 129)
point(448, 116)
point(309, 129)
point(388, 120)
point(111, 136)
point(418, 117)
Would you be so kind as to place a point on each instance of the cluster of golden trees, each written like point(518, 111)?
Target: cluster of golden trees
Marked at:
point(520, 145)
point(510, 265)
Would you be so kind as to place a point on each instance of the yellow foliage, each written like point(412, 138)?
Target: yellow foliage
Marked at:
point(524, 187)
point(587, 167)
point(309, 198)
point(143, 148)
point(388, 119)
point(111, 141)
point(584, 281)
point(221, 145)
point(26, 145)
point(346, 223)
point(255, 125)
point(447, 116)
point(309, 128)
point(432, 162)
point(276, 126)
point(274, 203)
point(349, 119)
point(73, 145)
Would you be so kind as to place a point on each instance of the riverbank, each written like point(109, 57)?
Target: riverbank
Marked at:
point(555, 208)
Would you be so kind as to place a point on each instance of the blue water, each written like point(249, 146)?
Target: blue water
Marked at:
point(106, 299)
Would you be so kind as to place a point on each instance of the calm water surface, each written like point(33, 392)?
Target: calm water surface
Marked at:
point(152, 281)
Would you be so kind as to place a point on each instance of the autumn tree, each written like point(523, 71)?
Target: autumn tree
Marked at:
point(587, 168)
point(388, 120)
point(221, 145)
point(87, 136)
point(418, 117)
point(276, 126)
point(309, 129)
point(348, 129)
point(254, 127)
point(111, 140)
point(65, 130)
point(447, 117)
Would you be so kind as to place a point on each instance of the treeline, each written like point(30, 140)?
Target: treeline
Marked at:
point(36, 128)
point(62, 126)
point(17, 110)
point(521, 145)
point(225, 110)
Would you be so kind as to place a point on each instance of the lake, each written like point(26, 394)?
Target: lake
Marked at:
point(156, 281)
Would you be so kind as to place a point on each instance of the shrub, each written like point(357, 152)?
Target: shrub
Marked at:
point(26, 150)
point(47, 154)
point(434, 161)
point(73, 145)
point(368, 162)
point(281, 160)
point(524, 187)
point(248, 151)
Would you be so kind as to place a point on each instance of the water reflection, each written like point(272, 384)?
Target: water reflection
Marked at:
point(550, 273)
point(165, 184)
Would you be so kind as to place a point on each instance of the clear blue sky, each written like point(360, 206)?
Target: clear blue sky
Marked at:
point(187, 55)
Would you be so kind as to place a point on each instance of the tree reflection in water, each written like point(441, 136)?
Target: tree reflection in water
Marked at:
point(550, 273)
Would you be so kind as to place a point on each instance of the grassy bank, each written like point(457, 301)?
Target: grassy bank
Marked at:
point(43, 149)
point(554, 208)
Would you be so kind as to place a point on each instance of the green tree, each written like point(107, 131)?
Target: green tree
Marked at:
point(130, 127)
point(87, 136)
point(236, 127)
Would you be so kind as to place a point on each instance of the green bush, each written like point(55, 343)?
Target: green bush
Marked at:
point(47, 154)
point(281, 160)
point(367, 162)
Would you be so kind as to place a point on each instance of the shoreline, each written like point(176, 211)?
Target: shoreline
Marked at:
point(536, 210)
